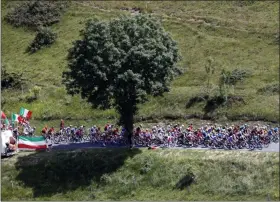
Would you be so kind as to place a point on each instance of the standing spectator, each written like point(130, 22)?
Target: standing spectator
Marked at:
point(61, 124)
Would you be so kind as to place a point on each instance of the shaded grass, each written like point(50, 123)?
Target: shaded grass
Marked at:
point(140, 174)
point(235, 36)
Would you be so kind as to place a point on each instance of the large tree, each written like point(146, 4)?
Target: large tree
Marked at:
point(119, 63)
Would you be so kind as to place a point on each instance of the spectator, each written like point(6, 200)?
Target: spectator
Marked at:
point(61, 124)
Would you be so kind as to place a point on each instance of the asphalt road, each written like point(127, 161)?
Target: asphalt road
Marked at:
point(70, 146)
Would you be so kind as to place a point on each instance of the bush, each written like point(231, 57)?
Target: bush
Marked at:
point(269, 89)
point(44, 37)
point(33, 94)
point(10, 80)
point(34, 14)
point(36, 91)
point(237, 75)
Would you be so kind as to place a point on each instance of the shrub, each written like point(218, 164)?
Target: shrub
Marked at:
point(34, 14)
point(33, 94)
point(36, 91)
point(10, 80)
point(44, 37)
point(237, 75)
point(269, 89)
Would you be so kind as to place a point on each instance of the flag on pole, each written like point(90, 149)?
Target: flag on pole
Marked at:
point(16, 118)
point(25, 113)
point(3, 116)
point(6, 121)
point(32, 143)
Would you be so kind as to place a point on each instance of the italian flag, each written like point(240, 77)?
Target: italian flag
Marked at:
point(3, 116)
point(16, 118)
point(25, 113)
point(32, 143)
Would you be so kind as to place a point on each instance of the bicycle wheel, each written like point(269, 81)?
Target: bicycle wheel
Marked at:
point(275, 139)
point(266, 144)
point(63, 138)
point(56, 139)
point(259, 145)
point(252, 146)
point(86, 138)
point(247, 145)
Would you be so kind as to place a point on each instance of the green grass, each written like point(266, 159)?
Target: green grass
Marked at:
point(234, 36)
point(140, 174)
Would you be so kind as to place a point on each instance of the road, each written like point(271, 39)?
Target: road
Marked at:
point(274, 147)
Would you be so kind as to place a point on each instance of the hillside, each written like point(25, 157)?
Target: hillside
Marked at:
point(236, 35)
point(141, 174)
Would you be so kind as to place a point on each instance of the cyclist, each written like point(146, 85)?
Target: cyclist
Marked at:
point(190, 128)
point(73, 130)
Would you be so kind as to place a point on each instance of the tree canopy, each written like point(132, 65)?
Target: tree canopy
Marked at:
point(119, 63)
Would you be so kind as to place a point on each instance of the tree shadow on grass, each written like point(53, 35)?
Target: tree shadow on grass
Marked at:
point(63, 171)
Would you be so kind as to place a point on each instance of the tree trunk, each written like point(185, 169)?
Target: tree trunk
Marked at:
point(128, 124)
point(127, 109)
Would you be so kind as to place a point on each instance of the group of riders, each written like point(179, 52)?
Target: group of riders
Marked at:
point(171, 135)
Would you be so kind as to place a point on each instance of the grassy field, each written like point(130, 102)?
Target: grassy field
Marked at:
point(235, 35)
point(141, 174)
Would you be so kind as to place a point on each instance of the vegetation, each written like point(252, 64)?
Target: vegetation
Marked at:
point(236, 37)
point(44, 37)
point(34, 14)
point(141, 174)
point(10, 80)
point(270, 89)
point(121, 62)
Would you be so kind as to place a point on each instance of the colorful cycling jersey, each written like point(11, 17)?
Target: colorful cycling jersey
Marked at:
point(204, 133)
point(78, 132)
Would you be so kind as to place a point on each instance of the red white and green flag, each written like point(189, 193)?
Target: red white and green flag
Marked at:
point(25, 113)
point(16, 118)
point(32, 143)
point(3, 116)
